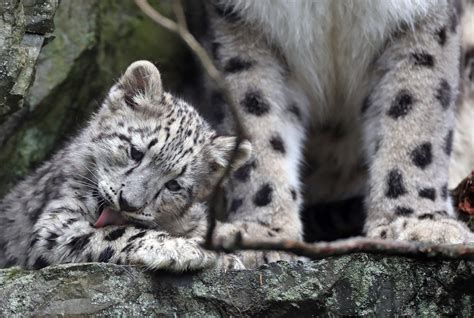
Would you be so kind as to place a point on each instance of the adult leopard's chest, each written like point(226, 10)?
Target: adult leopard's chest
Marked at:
point(330, 46)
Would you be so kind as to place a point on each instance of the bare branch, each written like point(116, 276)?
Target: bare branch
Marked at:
point(179, 13)
point(355, 245)
point(181, 29)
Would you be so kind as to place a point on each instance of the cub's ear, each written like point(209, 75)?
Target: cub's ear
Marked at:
point(141, 80)
point(222, 148)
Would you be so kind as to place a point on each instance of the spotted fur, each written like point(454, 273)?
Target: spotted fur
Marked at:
point(364, 91)
point(146, 154)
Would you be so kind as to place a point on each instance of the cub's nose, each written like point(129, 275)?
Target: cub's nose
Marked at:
point(124, 205)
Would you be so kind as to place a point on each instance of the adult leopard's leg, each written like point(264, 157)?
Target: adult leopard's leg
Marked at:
point(411, 111)
point(264, 195)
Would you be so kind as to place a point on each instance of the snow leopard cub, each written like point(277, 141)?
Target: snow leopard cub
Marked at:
point(145, 154)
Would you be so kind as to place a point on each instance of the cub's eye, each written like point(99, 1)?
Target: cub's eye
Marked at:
point(173, 185)
point(136, 154)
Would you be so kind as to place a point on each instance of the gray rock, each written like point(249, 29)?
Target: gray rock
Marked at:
point(349, 285)
point(23, 27)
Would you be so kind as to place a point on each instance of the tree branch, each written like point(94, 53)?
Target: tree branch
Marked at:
point(355, 245)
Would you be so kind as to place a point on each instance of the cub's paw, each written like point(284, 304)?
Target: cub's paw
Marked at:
point(175, 255)
point(438, 231)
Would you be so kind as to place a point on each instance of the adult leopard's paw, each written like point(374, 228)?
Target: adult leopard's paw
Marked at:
point(438, 231)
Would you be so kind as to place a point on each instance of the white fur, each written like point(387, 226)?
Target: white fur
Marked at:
point(323, 39)
point(462, 161)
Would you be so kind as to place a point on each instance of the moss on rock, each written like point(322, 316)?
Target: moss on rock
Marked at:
point(359, 284)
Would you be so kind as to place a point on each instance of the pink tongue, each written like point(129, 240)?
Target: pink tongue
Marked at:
point(110, 217)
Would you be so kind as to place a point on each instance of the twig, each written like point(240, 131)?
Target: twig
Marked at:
point(355, 245)
point(181, 29)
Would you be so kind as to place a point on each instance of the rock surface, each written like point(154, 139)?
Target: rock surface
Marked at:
point(349, 285)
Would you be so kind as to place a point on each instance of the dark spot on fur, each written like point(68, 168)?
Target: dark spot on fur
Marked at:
point(263, 196)
point(243, 173)
point(427, 193)
point(395, 184)
point(78, 243)
point(383, 234)
point(441, 36)
point(138, 235)
point(443, 94)
point(422, 155)
point(127, 247)
point(448, 143)
point(115, 234)
point(403, 211)
point(423, 59)
point(237, 64)
point(277, 144)
point(51, 240)
point(402, 105)
point(444, 192)
point(152, 143)
point(235, 205)
point(254, 103)
point(40, 263)
point(106, 255)
point(426, 216)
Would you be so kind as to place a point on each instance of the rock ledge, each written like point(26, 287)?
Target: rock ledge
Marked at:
point(349, 285)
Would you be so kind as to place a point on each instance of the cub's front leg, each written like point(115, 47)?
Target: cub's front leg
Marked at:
point(410, 116)
point(63, 235)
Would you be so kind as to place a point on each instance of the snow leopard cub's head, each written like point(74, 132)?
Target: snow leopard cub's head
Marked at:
point(153, 154)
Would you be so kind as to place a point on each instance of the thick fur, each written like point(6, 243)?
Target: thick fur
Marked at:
point(145, 154)
point(368, 86)
point(462, 161)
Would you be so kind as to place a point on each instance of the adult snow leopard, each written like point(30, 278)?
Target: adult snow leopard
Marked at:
point(146, 154)
point(368, 88)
